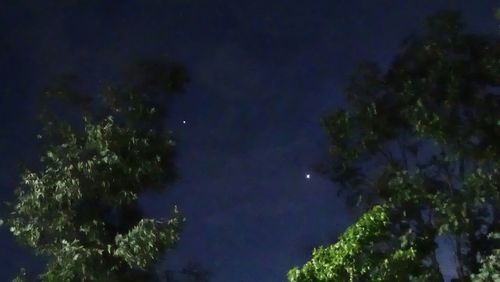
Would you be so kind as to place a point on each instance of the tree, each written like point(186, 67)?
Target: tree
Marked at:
point(368, 251)
point(421, 138)
point(490, 266)
point(80, 209)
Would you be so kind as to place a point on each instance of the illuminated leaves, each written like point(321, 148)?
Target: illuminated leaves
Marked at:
point(422, 139)
point(146, 241)
point(365, 252)
point(75, 206)
point(490, 266)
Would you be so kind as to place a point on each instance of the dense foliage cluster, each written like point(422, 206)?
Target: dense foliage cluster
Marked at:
point(420, 138)
point(80, 209)
point(367, 251)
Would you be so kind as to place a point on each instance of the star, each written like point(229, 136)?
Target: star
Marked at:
point(308, 176)
point(183, 122)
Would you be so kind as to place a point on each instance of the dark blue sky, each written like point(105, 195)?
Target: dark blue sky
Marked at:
point(262, 75)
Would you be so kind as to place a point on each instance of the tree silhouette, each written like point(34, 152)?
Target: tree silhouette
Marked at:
point(101, 152)
point(420, 140)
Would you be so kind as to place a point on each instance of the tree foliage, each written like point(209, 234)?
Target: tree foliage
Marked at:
point(422, 139)
point(80, 209)
point(490, 266)
point(367, 251)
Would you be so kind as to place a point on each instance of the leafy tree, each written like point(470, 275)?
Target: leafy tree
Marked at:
point(368, 251)
point(490, 266)
point(421, 138)
point(80, 208)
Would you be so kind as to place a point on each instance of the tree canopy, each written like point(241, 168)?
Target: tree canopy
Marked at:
point(80, 208)
point(419, 139)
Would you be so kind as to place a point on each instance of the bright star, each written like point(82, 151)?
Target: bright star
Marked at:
point(183, 122)
point(308, 176)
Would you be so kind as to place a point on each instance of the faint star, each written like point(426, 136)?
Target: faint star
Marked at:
point(183, 122)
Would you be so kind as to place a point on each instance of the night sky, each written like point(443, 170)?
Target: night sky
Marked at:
point(262, 73)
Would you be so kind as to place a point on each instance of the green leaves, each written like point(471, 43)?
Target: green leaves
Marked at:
point(21, 277)
point(86, 194)
point(422, 140)
point(490, 266)
point(363, 253)
point(91, 174)
point(146, 241)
